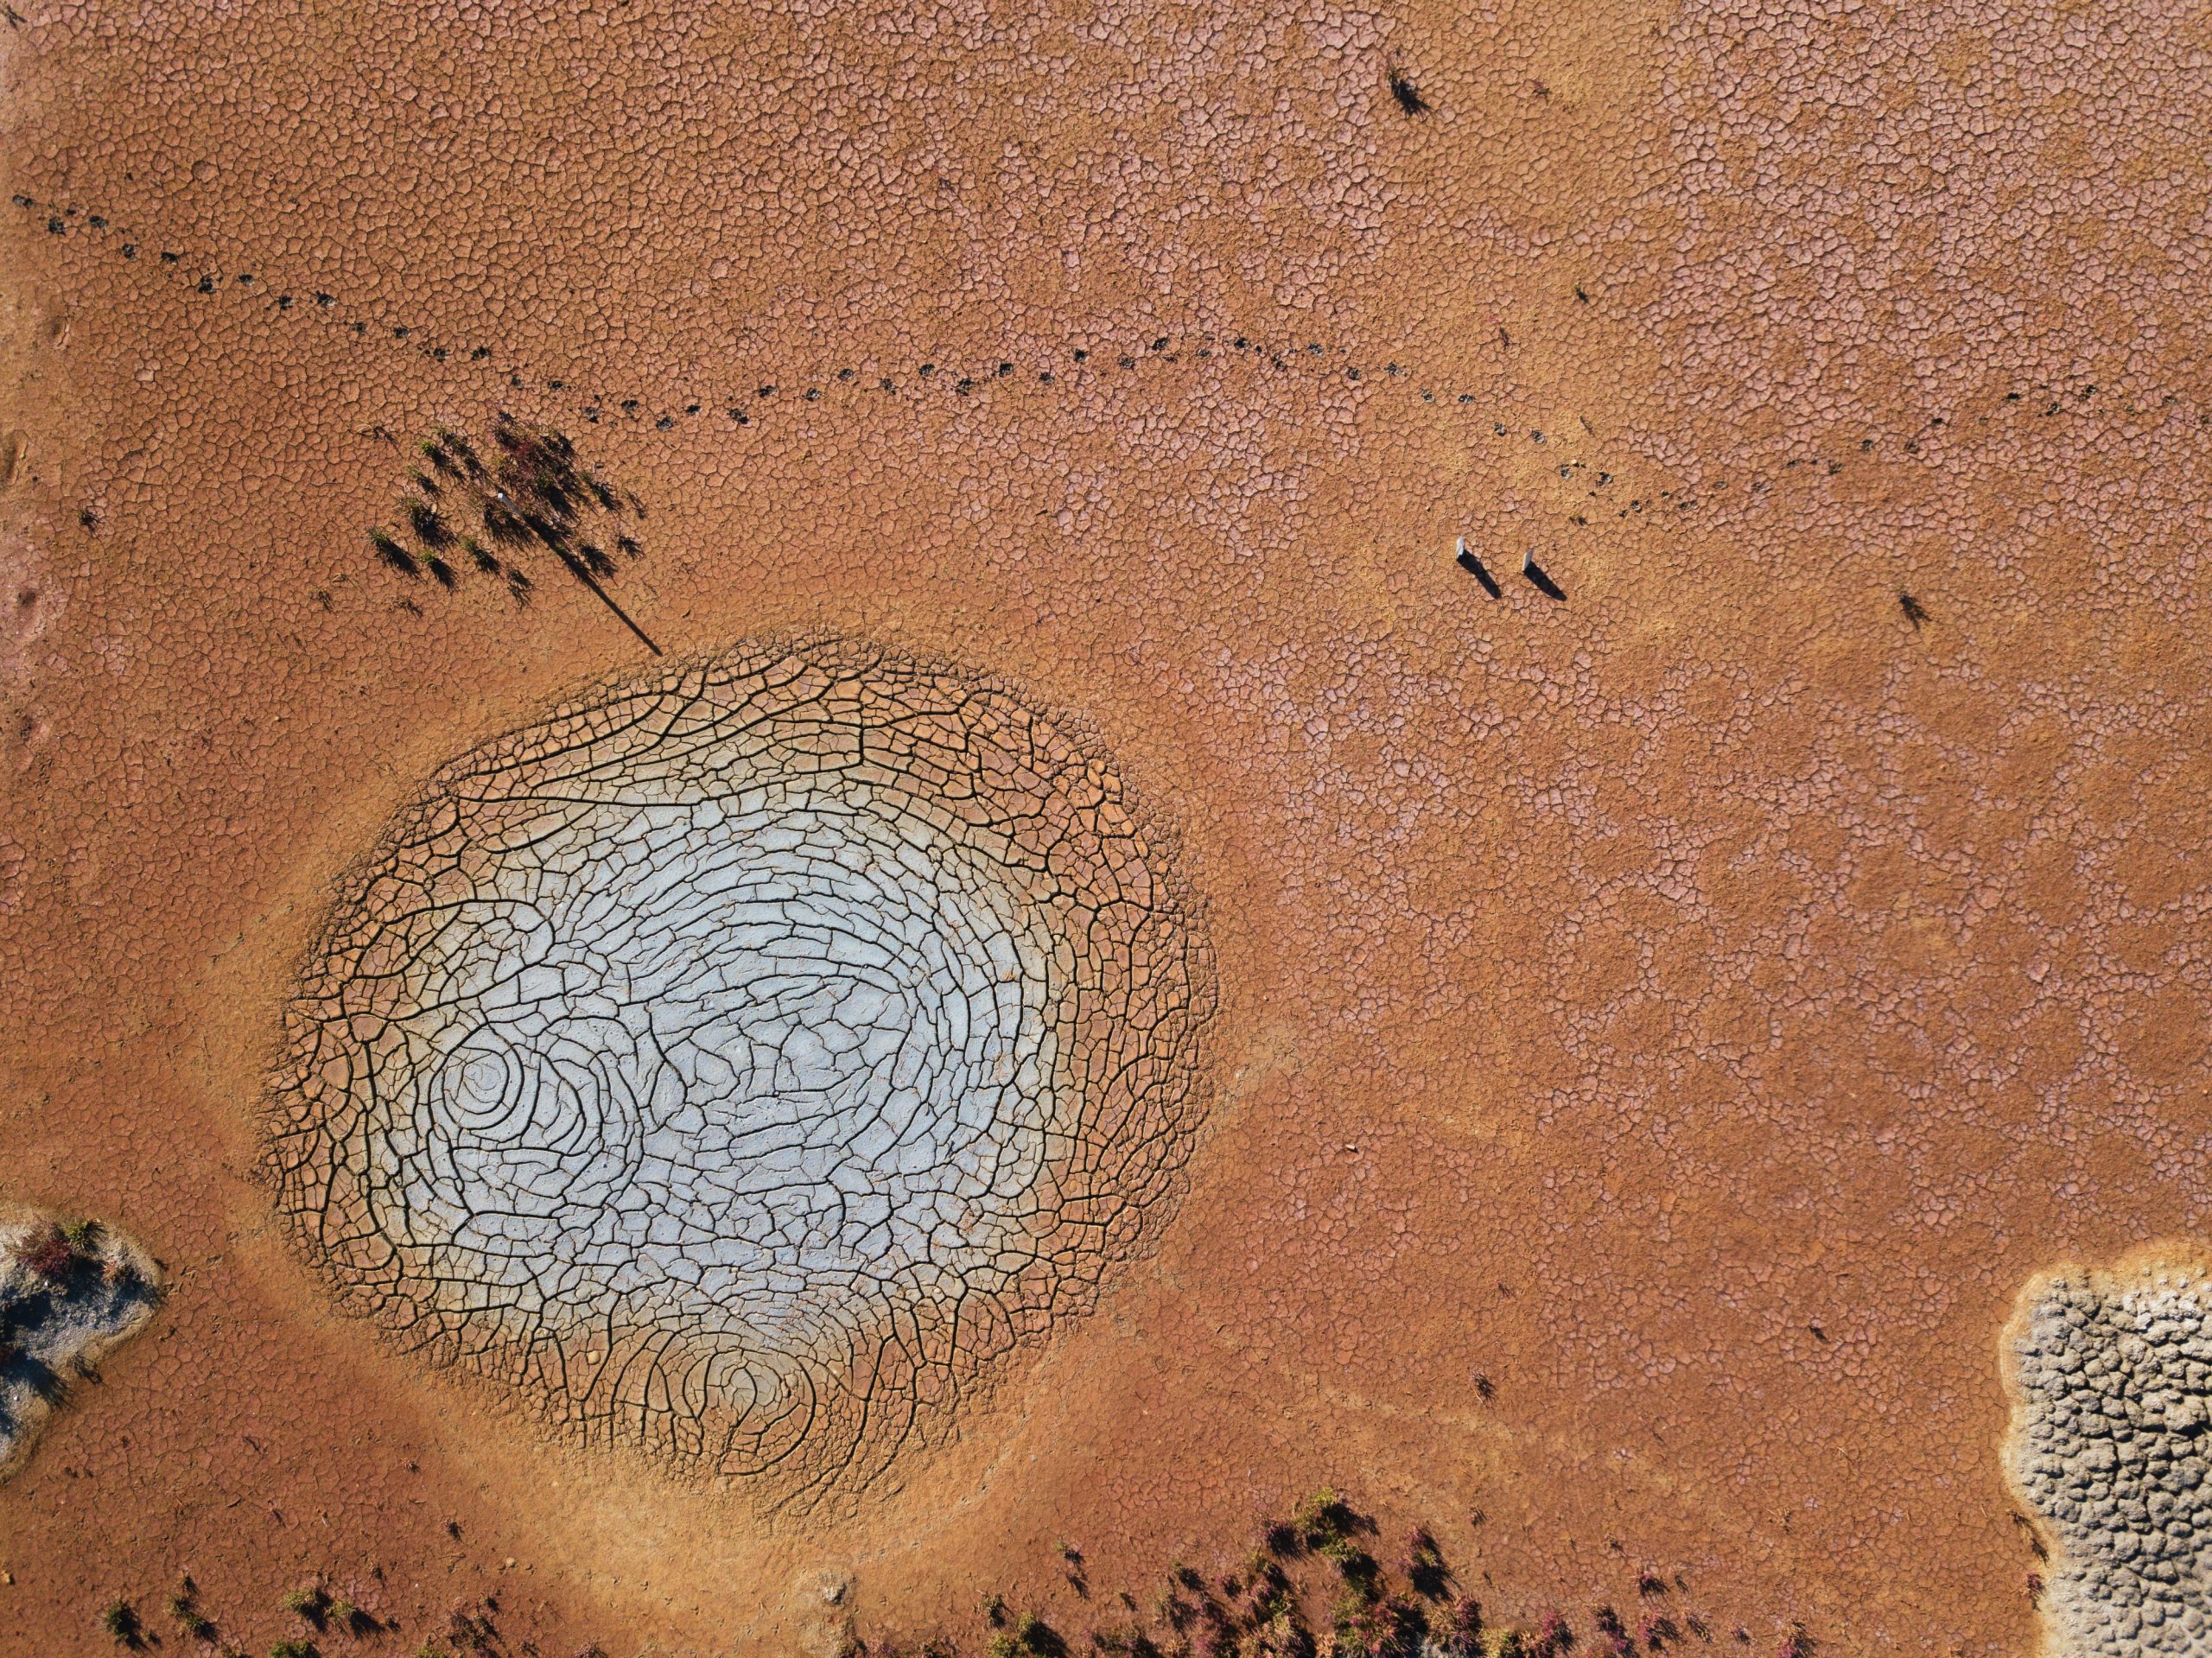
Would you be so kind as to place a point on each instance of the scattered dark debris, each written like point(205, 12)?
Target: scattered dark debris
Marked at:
point(534, 493)
point(1315, 1559)
point(2036, 1544)
point(1408, 96)
point(58, 218)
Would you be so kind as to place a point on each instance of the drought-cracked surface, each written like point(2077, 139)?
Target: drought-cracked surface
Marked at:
point(1691, 1010)
point(739, 1060)
point(2113, 1373)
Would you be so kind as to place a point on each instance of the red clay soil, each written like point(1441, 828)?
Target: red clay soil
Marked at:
point(1660, 1029)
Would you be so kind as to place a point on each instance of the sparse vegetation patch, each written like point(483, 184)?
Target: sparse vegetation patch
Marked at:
point(70, 1289)
point(532, 498)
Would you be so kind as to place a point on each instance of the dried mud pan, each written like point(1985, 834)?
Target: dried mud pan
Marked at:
point(2111, 1448)
point(736, 1063)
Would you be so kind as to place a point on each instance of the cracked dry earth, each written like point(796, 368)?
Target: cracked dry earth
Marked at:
point(737, 1062)
point(1653, 1034)
point(2111, 1371)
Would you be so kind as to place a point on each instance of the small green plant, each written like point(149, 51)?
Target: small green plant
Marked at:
point(84, 1236)
point(310, 1603)
point(294, 1649)
point(1003, 1645)
point(193, 1622)
point(1283, 1635)
point(1423, 1565)
point(393, 553)
point(184, 1607)
point(1356, 1566)
point(428, 525)
point(121, 1622)
point(1461, 1634)
point(1348, 1614)
point(1037, 1638)
point(1322, 1519)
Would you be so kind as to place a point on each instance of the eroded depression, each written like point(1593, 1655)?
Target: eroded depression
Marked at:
point(736, 1063)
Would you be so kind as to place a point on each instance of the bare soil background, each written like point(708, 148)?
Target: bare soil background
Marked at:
point(1661, 1030)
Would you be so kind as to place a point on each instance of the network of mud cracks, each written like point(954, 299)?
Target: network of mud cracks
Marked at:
point(740, 1061)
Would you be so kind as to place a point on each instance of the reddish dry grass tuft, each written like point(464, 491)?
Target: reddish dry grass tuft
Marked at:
point(48, 1253)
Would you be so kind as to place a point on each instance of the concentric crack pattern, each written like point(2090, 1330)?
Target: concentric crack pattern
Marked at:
point(738, 1062)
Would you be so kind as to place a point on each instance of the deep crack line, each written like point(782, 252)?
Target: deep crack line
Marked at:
point(728, 1085)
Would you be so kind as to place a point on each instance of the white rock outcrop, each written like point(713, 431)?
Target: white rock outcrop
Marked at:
point(69, 1291)
point(2111, 1374)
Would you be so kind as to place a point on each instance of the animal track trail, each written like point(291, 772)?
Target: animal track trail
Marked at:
point(1926, 439)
